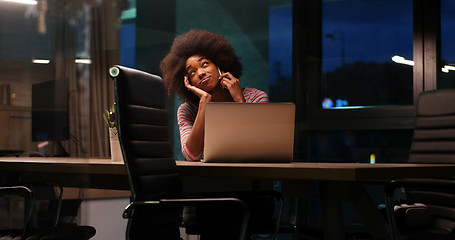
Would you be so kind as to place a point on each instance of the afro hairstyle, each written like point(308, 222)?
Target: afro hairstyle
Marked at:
point(214, 47)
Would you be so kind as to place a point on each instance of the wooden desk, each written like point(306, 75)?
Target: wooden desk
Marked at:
point(357, 172)
point(99, 173)
point(338, 182)
point(334, 179)
point(316, 171)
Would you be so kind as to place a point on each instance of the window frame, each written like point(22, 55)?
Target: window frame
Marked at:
point(307, 72)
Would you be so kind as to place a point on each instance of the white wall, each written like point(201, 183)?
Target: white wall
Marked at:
point(105, 215)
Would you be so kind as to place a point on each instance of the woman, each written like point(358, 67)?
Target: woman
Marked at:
point(202, 67)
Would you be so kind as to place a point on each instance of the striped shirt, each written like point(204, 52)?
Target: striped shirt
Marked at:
point(186, 115)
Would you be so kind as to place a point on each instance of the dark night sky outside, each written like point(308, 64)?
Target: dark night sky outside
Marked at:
point(373, 30)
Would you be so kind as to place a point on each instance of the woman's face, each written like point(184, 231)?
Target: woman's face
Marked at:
point(202, 72)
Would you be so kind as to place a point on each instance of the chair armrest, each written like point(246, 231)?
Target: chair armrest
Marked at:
point(58, 195)
point(29, 201)
point(276, 196)
point(436, 184)
point(390, 188)
point(17, 189)
point(129, 210)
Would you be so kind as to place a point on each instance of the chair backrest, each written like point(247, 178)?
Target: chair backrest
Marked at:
point(141, 120)
point(434, 134)
point(424, 208)
point(40, 209)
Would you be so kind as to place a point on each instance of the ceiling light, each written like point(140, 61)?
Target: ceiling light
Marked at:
point(29, 2)
point(41, 61)
point(446, 68)
point(400, 59)
point(83, 61)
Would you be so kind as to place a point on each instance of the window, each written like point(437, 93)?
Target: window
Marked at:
point(280, 53)
point(358, 79)
point(367, 53)
point(447, 74)
point(356, 69)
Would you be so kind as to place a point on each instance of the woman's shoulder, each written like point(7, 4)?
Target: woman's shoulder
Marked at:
point(187, 106)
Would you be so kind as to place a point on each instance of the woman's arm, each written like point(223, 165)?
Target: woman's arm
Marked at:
point(186, 115)
point(195, 141)
point(192, 135)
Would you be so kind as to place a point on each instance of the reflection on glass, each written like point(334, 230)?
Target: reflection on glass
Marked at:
point(48, 53)
point(358, 44)
point(280, 53)
point(67, 44)
point(447, 76)
point(25, 53)
point(388, 146)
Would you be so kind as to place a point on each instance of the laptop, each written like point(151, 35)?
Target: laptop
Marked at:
point(249, 132)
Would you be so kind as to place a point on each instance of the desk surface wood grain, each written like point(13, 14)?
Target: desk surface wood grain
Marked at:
point(295, 170)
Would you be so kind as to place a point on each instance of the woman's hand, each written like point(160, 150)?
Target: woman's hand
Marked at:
point(228, 81)
point(203, 95)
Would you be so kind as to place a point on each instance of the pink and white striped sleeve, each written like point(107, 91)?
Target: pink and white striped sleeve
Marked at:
point(186, 115)
point(253, 95)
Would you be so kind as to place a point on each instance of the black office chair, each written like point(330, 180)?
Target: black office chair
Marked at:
point(425, 208)
point(15, 219)
point(156, 192)
point(32, 211)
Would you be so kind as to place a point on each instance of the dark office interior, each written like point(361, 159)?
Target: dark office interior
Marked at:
point(353, 68)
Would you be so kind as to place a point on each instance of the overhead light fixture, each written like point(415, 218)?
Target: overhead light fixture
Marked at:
point(28, 2)
point(41, 61)
point(83, 61)
point(402, 60)
point(448, 68)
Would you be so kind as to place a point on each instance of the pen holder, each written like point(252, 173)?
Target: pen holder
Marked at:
point(116, 152)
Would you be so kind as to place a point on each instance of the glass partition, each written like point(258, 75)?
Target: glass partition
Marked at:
point(261, 34)
point(55, 54)
point(361, 57)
